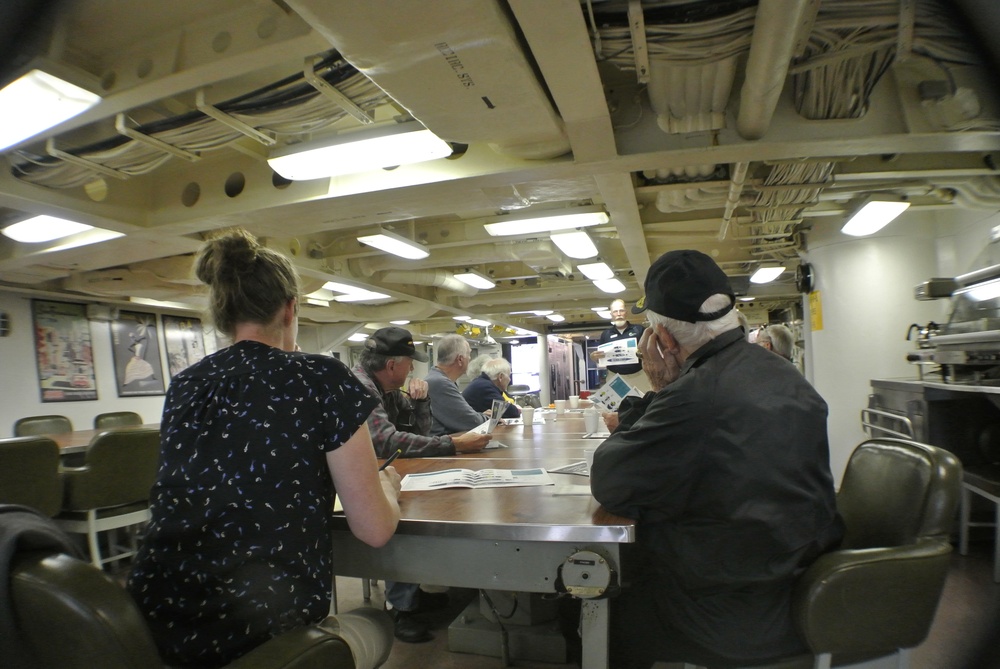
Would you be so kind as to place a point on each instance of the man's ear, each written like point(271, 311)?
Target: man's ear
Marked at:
point(667, 341)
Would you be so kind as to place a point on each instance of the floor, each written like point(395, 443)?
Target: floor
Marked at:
point(965, 634)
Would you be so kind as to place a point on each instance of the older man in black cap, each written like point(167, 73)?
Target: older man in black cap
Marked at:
point(725, 466)
point(402, 422)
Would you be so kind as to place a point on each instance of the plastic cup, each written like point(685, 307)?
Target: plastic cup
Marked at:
point(592, 421)
point(574, 401)
point(528, 415)
point(560, 406)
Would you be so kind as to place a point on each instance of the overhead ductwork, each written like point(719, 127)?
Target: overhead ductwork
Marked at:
point(437, 279)
point(456, 66)
point(537, 254)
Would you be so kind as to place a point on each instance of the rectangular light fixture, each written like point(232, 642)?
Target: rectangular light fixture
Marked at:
point(556, 318)
point(43, 229)
point(766, 274)
point(576, 244)
point(480, 322)
point(462, 318)
point(475, 279)
point(610, 285)
point(36, 102)
point(400, 322)
point(362, 151)
point(358, 336)
point(361, 296)
point(874, 215)
point(596, 271)
point(529, 222)
point(395, 244)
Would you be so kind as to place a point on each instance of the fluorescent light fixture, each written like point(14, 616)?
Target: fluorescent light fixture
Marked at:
point(766, 274)
point(361, 296)
point(556, 318)
point(475, 279)
point(747, 299)
point(480, 322)
point(395, 244)
point(542, 312)
point(43, 229)
point(610, 286)
point(606, 315)
point(462, 318)
point(358, 336)
point(596, 271)
point(873, 216)
point(36, 102)
point(575, 244)
point(546, 221)
point(362, 151)
point(982, 292)
point(400, 322)
point(317, 302)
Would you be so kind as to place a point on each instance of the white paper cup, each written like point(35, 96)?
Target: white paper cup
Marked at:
point(560, 406)
point(592, 420)
point(588, 455)
point(528, 415)
point(574, 401)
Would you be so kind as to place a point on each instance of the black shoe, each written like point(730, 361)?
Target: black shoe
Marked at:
point(431, 601)
point(408, 628)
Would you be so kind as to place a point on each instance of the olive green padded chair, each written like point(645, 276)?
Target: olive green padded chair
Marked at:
point(71, 615)
point(29, 474)
point(32, 425)
point(106, 421)
point(111, 489)
point(872, 600)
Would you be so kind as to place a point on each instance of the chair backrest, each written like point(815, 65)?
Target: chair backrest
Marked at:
point(105, 421)
point(895, 491)
point(879, 592)
point(29, 474)
point(73, 616)
point(32, 425)
point(119, 468)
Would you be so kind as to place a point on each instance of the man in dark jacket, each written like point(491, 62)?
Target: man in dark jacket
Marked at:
point(491, 385)
point(725, 466)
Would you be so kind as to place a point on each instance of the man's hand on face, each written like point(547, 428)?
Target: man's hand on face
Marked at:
point(659, 352)
point(417, 389)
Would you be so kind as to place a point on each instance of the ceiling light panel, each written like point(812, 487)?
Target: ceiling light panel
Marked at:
point(597, 271)
point(576, 244)
point(36, 102)
point(395, 244)
point(873, 216)
point(476, 280)
point(567, 219)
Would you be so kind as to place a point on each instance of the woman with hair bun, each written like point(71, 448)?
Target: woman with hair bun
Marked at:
point(255, 441)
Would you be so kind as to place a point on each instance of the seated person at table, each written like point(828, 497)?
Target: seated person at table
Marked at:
point(255, 439)
point(725, 465)
point(490, 385)
point(450, 412)
point(777, 339)
point(385, 363)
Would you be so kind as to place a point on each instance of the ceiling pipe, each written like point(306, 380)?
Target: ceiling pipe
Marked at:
point(436, 278)
point(736, 182)
point(776, 32)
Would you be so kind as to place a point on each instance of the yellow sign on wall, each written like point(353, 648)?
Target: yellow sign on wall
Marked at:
point(815, 311)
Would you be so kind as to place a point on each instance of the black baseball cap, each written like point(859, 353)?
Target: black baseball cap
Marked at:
point(678, 284)
point(394, 341)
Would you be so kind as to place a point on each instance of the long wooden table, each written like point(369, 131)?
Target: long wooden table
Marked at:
point(78, 440)
point(514, 539)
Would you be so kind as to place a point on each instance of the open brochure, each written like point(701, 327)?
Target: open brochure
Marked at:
point(483, 478)
point(499, 407)
point(619, 352)
point(611, 394)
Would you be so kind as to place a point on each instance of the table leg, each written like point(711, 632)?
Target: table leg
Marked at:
point(594, 627)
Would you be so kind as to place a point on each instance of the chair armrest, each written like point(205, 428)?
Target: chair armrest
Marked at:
point(871, 600)
point(302, 648)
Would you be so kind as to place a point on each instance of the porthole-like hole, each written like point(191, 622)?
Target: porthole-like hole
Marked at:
point(144, 68)
point(97, 189)
point(279, 181)
point(191, 194)
point(108, 80)
point(221, 42)
point(235, 184)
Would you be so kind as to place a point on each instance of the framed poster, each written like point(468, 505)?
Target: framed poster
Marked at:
point(63, 351)
point(184, 342)
point(136, 352)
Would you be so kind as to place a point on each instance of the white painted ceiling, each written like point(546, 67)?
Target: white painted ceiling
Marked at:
point(730, 127)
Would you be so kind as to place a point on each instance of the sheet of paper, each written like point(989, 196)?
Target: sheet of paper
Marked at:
point(611, 394)
point(619, 352)
point(483, 478)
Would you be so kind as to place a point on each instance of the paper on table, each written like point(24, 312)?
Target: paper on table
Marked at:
point(619, 352)
point(579, 468)
point(483, 478)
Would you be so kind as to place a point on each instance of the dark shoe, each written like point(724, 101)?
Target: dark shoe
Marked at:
point(408, 628)
point(431, 601)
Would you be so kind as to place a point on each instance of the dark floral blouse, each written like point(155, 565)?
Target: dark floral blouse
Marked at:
point(239, 546)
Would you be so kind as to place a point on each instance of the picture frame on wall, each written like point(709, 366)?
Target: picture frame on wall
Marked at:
point(64, 352)
point(136, 352)
point(184, 342)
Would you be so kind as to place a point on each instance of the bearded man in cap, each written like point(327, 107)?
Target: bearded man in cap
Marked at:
point(402, 422)
point(725, 467)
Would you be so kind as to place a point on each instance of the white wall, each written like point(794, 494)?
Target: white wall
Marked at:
point(866, 293)
point(19, 393)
